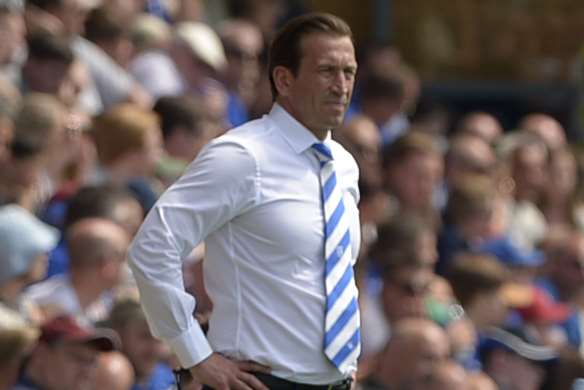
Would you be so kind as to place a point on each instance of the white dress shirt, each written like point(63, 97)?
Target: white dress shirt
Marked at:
point(253, 195)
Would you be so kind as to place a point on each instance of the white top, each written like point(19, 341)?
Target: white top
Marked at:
point(111, 80)
point(157, 73)
point(56, 295)
point(253, 195)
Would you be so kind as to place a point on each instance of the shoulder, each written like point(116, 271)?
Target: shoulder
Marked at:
point(240, 144)
point(51, 287)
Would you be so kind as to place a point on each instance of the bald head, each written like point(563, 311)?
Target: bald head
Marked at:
point(91, 241)
point(411, 332)
point(242, 34)
point(469, 154)
point(415, 347)
point(546, 127)
point(482, 125)
point(445, 375)
point(114, 372)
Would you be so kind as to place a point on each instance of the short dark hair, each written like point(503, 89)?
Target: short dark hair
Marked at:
point(285, 49)
point(96, 202)
point(103, 25)
point(44, 46)
point(46, 4)
point(175, 111)
point(377, 86)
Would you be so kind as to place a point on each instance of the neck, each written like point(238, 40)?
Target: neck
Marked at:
point(321, 134)
point(87, 289)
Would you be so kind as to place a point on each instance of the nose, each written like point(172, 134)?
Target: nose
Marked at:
point(341, 84)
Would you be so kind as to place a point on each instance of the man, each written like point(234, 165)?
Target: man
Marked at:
point(254, 196)
point(415, 347)
point(146, 354)
point(514, 360)
point(66, 356)
point(97, 249)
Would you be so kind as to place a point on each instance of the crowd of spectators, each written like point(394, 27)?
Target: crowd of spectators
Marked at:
point(471, 270)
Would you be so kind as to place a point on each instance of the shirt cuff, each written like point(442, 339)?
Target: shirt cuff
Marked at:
point(191, 347)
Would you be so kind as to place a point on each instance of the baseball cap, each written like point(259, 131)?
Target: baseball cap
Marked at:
point(203, 42)
point(543, 309)
point(516, 340)
point(510, 254)
point(67, 328)
point(22, 238)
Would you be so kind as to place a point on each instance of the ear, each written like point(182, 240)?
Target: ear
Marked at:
point(283, 79)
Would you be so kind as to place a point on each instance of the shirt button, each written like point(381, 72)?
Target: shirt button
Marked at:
point(350, 345)
point(340, 250)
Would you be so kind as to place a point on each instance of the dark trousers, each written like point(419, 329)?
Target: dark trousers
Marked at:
point(275, 383)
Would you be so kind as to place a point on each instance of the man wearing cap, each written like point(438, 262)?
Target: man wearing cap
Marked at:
point(514, 361)
point(275, 201)
point(24, 244)
point(66, 355)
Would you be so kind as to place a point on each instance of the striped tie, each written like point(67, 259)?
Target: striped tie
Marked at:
point(342, 336)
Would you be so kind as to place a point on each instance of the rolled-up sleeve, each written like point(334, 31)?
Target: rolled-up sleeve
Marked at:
point(219, 185)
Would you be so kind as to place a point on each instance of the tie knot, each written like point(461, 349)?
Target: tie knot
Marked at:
point(323, 152)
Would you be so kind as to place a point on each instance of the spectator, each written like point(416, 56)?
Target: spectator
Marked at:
point(24, 244)
point(97, 250)
point(547, 128)
point(412, 171)
point(146, 353)
point(17, 337)
point(114, 372)
point(186, 128)
point(149, 34)
point(559, 203)
point(513, 360)
point(112, 82)
point(481, 124)
point(360, 137)
point(527, 159)
point(21, 171)
point(12, 42)
point(107, 31)
point(399, 278)
point(444, 375)
point(243, 43)
point(479, 283)
point(469, 155)
point(42, 120)
point(129, 146)
point(382, 100)
point(48, 65)
point(107, 201)
point(415, 347)
point(467, 219)
point(66, 355)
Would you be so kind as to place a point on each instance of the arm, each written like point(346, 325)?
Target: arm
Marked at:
point(218, 186)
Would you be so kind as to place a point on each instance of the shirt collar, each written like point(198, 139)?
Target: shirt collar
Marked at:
point(295, 134)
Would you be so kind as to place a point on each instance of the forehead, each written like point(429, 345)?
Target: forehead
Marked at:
point(325, 47)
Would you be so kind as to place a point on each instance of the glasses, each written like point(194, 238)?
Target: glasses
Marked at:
point(411, 288)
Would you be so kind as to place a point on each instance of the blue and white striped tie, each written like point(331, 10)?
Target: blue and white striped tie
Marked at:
point(342, 340)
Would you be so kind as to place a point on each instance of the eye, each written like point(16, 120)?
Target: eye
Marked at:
point(350, 73)
point(326, 70)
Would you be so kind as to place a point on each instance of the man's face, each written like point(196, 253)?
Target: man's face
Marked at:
point(320, 93)
point(143, 350)
point(404, 293)
point(71, 366)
